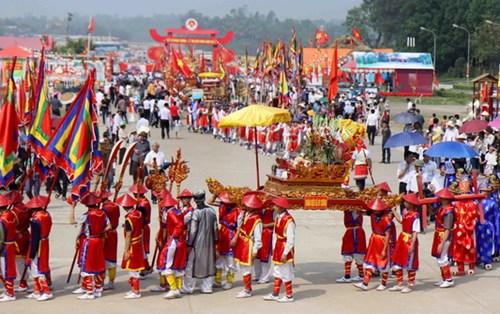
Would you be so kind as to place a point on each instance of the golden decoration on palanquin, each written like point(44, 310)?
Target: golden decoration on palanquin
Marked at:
point(235, 193)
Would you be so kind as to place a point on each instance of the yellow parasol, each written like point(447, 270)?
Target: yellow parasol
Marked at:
point(254, 116)
point(210, 74)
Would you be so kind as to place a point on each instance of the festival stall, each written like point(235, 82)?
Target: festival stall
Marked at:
point(396, 73)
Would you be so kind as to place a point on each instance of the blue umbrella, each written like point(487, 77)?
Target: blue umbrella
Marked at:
point(405, 118)
point(405, 139)
point(451, 150)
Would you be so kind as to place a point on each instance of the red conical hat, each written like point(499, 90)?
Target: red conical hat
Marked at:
point(445, 194)
point(4, 201)
point(37, 202)
point(168, 201)
point(377, 204)
point(412, 199)
point(103, 194)
point(252, 201)
point(90, 199)
point(15, 196)
point(126, 201)
point(185, 193)
point(384, 187)
point(133, 189)
point(163, 193)
point(281, 202)
point(224, 198)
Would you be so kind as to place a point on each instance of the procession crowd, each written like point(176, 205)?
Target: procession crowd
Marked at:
point(256, 237)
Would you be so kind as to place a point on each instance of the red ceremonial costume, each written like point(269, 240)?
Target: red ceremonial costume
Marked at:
point(463, 248)
point(267, 217)
point(281, 238)
point(402, 256)
point(134, 223)
point(293, 142)
point(92, 253)
point(173, 256)
point(354, 239)
point(41, 224)
point(373, 257)
point(228, 220)
point(440, 228)
point(244, 243)
point(111, 238)
point(145, 208)
point(9, 225)
point(23, 216)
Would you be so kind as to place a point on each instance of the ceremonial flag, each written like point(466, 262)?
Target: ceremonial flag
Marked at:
point(321, 37)
point(277, 52)
point(435, 81)
point(202, 62)
point(44, 40)
point(9, 121)
point(246, 60)
point(41, 128)
point(221, 70)
point(179, 65)
point(283, 87)
point(74, 146)
point(356, 34)
point(293, 42)
point(90, 29)
point(334, 77)
point(379, 80)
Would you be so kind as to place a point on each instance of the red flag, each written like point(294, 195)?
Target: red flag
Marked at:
point(9, 121)
point(356, 34)
point(321, 37)
point(90, 29)
point(179, 65)
point(334, 75)
point(435, 81)
point(379, 80)
point(202, 62)
point(396, 79)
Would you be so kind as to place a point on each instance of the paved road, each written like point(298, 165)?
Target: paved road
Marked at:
point(318, 261)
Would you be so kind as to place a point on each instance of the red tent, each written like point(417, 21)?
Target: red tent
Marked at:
point(14, 51)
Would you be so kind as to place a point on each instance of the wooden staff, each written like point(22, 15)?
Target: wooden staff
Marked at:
point(72, 266)
point(128, 154)
point(422, 196)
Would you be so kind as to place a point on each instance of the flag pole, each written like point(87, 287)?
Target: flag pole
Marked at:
point(88, 45)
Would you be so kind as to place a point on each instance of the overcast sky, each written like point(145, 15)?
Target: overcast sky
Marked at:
point(299, 9)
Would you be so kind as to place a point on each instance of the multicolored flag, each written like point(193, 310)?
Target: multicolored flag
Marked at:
point(334, 75)
point(9, 120)
point(179, 64)
point(74, 146)
point(283, 91)
point(356, 34)
point(41, 128)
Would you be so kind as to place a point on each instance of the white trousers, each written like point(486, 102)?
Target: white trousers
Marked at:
point(227, 264)
point(261, 270)
point(283, 271)
point(189, 282)
point(443, 259)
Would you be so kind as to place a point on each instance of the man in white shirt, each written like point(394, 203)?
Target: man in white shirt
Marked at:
point(99, 96)
point(371, 126)
point(146, 104)
point(410, 104)
point(412, 185)
point(153, 154)
point(165, 120)
point(404, 169)
point(142, 124)
point(429, 170)
point(451, 132)
point(437, 182)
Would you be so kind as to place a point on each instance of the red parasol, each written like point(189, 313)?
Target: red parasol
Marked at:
point(474, 126)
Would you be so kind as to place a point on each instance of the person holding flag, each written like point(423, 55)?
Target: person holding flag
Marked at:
point(133, 253)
